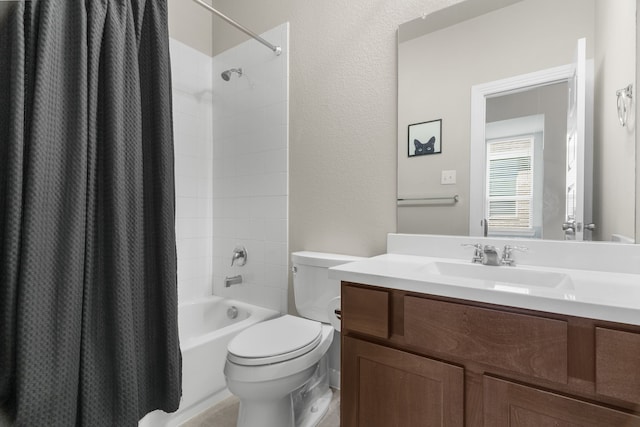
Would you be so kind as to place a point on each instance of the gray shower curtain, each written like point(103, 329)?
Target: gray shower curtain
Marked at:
point(88, 303)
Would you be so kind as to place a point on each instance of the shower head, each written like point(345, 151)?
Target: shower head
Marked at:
point(226, 75)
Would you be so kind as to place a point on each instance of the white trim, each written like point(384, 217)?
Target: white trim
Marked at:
point(479, 93)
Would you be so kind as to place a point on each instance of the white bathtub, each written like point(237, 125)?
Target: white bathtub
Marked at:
point(205, 330)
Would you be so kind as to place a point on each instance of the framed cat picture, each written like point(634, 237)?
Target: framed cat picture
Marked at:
point(425, 138)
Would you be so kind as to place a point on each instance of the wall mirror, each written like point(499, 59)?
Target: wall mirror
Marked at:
point(498, 48)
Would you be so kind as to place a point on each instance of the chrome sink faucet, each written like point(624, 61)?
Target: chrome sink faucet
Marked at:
point(490, 255)
point(485, 255)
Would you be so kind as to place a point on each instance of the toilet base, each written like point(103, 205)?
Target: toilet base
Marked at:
point(280, 413)
point(269, 413)
point(314, 413)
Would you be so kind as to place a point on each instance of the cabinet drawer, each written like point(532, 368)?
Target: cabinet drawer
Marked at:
point(526, 344)
point(365, 310)
point(618, 364)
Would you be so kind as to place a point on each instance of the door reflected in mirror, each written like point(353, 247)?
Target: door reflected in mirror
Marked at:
point(519, 183)
point(533, 201)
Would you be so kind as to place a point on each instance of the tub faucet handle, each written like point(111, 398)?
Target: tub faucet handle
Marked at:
point(240, 255)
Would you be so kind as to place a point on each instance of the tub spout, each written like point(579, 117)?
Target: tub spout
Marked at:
point(233, 280)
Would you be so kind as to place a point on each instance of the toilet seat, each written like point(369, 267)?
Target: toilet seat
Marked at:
point(274, 341)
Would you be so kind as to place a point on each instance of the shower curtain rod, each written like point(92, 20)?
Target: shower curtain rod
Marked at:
point(276, 49)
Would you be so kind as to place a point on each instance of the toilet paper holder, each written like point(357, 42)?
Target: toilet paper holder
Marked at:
point(338, 313)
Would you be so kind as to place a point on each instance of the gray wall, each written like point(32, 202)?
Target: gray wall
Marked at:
point(637, 118)
point(191, 24)
point(614, 145)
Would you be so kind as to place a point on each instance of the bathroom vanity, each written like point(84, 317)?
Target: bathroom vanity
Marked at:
point(425, 345)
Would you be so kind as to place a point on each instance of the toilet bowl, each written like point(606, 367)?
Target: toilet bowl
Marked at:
point(266, 389)
point(277, 368)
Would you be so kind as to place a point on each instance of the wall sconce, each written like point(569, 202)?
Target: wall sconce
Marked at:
point(624, 95)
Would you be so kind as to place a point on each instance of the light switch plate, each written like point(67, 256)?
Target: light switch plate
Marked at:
point(448, 177)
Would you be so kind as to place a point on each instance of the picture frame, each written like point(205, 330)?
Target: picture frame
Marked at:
point(425, 138)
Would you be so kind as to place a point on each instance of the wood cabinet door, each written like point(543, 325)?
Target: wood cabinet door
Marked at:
point(618, 364)
point(385, 387)
point(508, 404)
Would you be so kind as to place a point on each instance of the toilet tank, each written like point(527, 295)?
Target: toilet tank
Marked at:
point(312, 287)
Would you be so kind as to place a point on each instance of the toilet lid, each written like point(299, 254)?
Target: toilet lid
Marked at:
point(274, 341)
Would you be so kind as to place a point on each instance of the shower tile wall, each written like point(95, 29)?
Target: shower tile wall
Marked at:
point(192, 118)
point(250, 170)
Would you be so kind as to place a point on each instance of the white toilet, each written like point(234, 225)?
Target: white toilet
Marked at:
point(278, 368)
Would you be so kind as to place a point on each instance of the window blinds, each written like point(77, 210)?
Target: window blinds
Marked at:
point(510, 184)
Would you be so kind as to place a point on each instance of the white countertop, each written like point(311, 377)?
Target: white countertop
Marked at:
point(603, 295)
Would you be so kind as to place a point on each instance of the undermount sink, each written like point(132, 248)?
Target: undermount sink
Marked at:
point(501, 277)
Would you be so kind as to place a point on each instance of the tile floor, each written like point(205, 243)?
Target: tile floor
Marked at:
point(225, 414)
